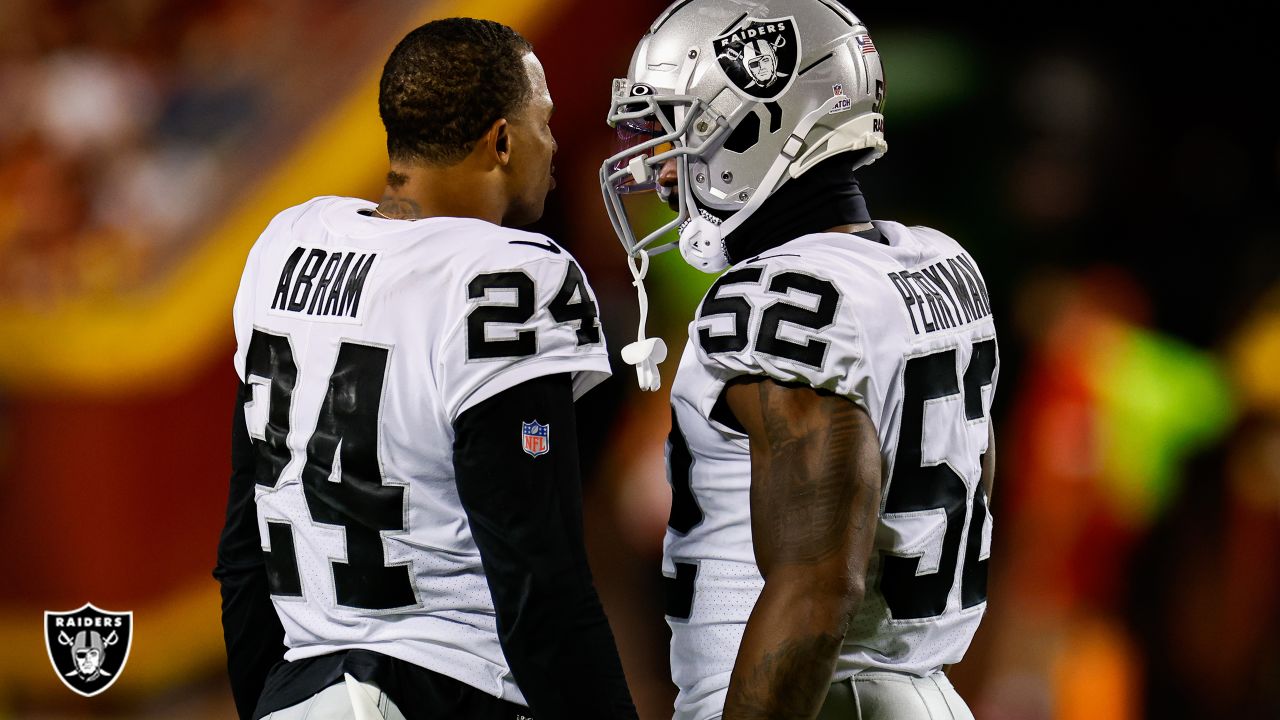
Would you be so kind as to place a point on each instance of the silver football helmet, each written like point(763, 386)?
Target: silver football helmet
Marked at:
point(744, 95)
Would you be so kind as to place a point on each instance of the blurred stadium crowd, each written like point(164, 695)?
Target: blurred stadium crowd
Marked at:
point(1116, 178)
point(146, 118)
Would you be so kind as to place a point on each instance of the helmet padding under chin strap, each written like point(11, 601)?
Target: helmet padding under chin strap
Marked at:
point(702, 242)
point(702, 245)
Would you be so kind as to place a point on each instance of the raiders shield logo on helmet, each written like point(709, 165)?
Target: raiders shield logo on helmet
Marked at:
point(760, 57)
point(88, 647)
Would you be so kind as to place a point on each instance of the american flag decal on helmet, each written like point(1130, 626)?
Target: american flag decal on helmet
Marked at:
point(864, 42)
point(535, 438)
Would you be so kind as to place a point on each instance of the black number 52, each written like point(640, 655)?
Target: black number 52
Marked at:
point(767, 340)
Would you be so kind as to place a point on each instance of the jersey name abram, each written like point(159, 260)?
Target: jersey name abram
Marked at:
point(323, 283)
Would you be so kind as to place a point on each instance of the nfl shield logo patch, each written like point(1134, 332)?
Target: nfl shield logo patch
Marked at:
point(88, 647)
point(535, 438)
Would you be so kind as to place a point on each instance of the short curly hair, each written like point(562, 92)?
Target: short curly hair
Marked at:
point(445, 83)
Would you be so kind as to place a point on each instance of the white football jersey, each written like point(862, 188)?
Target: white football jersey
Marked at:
point(904, 330)
point(362, 340)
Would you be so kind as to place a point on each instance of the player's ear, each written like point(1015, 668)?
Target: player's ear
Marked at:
point(498, 140)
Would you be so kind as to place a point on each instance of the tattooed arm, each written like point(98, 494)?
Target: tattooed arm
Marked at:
point(815, 494)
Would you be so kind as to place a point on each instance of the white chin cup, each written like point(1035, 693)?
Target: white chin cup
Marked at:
point(702, 245)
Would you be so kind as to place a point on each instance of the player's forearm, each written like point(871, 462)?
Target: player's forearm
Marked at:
point(559, 645)
point(593, 683)
point(789, 650)
point(251, 628)
point(525, 518)
point(254, 638)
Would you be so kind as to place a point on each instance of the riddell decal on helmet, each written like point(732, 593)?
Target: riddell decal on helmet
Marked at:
point(760, 58)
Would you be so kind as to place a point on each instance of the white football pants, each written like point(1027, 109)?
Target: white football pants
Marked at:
point(336, 702)
point(894, 696)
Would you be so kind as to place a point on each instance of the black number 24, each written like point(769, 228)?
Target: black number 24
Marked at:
point(571, 304)
point(360, 503)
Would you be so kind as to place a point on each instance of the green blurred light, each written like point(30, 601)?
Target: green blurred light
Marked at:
point(675, 287)
point(1159, 401)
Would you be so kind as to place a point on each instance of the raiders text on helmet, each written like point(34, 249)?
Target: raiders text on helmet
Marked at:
point(744, 96)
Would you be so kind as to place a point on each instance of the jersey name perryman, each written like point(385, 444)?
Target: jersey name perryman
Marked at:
point(947, 288)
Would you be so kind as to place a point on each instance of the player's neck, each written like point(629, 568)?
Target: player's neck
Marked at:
point(415, 192)
point(851, 228)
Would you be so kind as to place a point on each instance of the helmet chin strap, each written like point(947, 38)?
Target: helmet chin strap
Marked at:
point(702, 242)
point(644, 353)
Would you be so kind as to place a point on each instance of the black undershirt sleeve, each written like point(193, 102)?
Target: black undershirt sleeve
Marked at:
point(250, 627)
point(525, 514)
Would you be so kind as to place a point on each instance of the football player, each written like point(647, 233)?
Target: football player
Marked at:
point(404, 525)
point(831, 450)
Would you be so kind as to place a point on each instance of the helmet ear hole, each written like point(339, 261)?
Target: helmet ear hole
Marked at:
point(745, 136)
